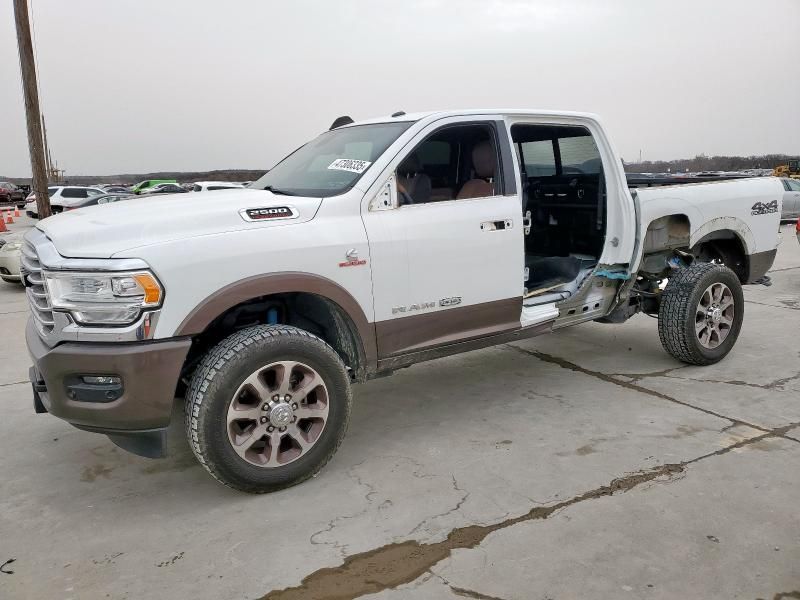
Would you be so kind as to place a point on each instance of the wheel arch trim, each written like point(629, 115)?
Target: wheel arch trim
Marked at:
point(201, 316)
point(732, 224)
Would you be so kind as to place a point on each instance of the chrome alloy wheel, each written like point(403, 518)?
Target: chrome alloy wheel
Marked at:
point(714, 317)
point(277, 414)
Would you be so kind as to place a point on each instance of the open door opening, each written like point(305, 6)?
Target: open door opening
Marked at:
point(564, 203)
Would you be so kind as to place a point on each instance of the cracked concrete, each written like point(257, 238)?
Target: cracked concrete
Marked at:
point(705, 539)
point(400, 563)
point(496, 470)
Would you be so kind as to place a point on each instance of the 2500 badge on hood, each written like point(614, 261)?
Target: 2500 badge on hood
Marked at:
point(271, 213)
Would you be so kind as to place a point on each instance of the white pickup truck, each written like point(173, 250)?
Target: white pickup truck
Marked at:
point(375, 246)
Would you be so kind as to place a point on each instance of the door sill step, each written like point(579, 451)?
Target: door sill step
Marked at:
point(533, 315)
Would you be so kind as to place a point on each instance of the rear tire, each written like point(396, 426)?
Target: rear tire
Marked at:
point(701, 313)
point(267, 408)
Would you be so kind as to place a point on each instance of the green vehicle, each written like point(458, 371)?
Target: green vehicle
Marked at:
point(148, 183)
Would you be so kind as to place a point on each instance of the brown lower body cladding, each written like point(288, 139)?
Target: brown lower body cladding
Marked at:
point(412, 339)
point(149, 373)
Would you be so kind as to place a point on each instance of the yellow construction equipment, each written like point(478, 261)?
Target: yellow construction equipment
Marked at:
point(790, 169)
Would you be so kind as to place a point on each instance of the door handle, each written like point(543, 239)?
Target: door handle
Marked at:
point(497, 225)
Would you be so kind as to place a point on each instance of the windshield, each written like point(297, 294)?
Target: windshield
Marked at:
point(332, 163)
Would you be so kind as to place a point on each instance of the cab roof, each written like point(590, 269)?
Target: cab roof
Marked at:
point(434, 115)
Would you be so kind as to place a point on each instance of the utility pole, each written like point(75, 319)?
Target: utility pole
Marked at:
point(33, 115)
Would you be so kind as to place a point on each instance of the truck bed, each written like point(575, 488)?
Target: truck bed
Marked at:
point(637, 180)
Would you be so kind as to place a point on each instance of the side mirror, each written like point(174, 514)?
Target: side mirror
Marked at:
point(386, 198)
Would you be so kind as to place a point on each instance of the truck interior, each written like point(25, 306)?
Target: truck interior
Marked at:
point(455, 163)
point(564, 203)
point(563, 195)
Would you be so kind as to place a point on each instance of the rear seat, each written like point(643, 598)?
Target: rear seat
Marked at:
point(564, 215)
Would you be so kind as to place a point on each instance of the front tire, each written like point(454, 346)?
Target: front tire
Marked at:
point(701, 313)
point(267, 408)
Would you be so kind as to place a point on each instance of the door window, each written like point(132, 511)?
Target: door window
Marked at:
point(457, 162)
point(538, 158)
point(579, 155)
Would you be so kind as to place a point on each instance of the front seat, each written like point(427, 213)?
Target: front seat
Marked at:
point(484, 164)
point(412, 181)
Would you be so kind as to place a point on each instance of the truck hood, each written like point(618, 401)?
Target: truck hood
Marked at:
point(105, 230)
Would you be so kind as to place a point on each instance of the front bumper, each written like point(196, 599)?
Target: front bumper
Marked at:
point(142, 406)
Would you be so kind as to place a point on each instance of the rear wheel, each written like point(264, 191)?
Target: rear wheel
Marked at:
point(701, 313)
point(267, 408)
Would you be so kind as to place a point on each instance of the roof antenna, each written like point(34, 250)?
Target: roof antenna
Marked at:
point(399, 113)
point(343, 120)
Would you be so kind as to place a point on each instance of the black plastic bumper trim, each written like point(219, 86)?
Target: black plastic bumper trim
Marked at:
point(149, 443)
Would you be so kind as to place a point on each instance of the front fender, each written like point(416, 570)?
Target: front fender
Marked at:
point(276, 283)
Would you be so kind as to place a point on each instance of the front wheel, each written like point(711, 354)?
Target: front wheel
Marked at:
point(701, 313)
point(267, 408)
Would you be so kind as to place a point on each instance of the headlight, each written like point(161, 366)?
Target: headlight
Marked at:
point(103, 298)
point(9, 246)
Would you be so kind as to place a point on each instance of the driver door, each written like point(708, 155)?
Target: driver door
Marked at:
point(446, 241)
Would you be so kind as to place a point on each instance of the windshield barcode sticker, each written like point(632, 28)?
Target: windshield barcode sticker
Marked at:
point(350, 164)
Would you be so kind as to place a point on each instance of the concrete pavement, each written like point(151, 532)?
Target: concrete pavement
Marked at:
point(586, 463)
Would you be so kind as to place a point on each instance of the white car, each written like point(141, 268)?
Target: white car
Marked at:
point(791, 199)
point(211, 186)
point(377, 245)
point(62, 197)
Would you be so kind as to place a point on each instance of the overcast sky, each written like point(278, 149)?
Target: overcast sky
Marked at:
point(133, 86)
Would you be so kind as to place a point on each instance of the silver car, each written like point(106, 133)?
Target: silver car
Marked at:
point(791, 199)
point(10, 244)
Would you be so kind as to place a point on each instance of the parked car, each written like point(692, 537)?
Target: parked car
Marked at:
point(148, 183)
point(10, 244)
point(10, 192)
point(791, 199)
point(165, 188)
point(117, 189)
point(62, 197)
point(211, 186)
point(101, 199)
point(270, 302)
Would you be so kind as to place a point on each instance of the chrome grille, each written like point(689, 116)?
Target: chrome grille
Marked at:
point(38, 298)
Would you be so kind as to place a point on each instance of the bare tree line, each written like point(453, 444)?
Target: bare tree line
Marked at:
point(708, 163)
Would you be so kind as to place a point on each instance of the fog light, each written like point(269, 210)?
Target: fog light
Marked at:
point(94, 388)
point(100, 380)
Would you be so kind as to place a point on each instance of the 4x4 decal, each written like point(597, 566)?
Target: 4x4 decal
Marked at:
point(760, 208)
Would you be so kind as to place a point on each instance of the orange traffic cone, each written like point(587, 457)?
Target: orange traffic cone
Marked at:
point(3, 226)
point(16, 212)
point(9, 219)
